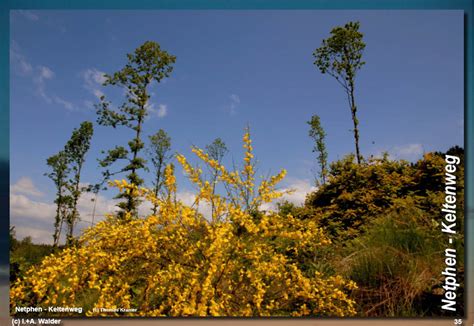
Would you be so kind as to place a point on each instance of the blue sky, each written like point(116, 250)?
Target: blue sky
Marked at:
point(233, 68)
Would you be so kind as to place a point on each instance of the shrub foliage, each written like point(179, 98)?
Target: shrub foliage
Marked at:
point(181, 263)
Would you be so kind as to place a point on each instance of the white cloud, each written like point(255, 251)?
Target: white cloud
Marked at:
point(95, 76)
point(22, 207)
point(37, 235)
point(66, 104)
point(408, 152)
point(30, 216)
point(25, 66)
point(43, 74)
point(30, 15)
point(25, 186)
point(235, 98)
point(93, 80)
point(103, 206)
point(161, 112)
point(234, 102)
point(97, 93)
point(39, 75)
point(88, 104)
point(144, 209)
point(300, 188)
point(186, 197)
point(35, 218)
point(18, 60)
point(461, 124)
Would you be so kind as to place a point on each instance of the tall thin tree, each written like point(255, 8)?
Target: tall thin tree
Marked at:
point(147, 64)
point(216, 151)
point(340, 56)
point(60, 170)
point(316, 132)
point(159, 153)
point(76, 149)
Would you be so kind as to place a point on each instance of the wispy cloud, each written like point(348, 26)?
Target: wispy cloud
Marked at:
point(409, 152)
point(43, 73)
point(159, 112)
point(93, 80)
point(234, 103)
point(39, 75)
point(18, 61)
point(162, 111)
point(25, 68)
point(66, 104)
point(88, 104)
point(28, 14)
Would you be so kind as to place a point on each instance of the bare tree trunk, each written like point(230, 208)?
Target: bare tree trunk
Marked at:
point(356, 122)
point(56, 224)
point(157, 187)
point(63, 214)
point(95, 205)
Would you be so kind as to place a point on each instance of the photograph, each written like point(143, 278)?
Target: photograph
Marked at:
point(237, 163)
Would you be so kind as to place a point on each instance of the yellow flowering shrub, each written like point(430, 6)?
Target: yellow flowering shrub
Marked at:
point(181, 263)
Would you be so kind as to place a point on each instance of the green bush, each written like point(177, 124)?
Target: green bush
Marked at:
point(24, 254)
point(397, 263)
point(384, 220)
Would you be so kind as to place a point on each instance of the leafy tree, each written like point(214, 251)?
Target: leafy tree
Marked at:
point(60, 170)
point(159, 153)
point(24, 254)
point(13, 242)
point(316, 132)
point(340, 56)
point(75, 150)
point(216, 151)
point(147, 64)
point(358, 192)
